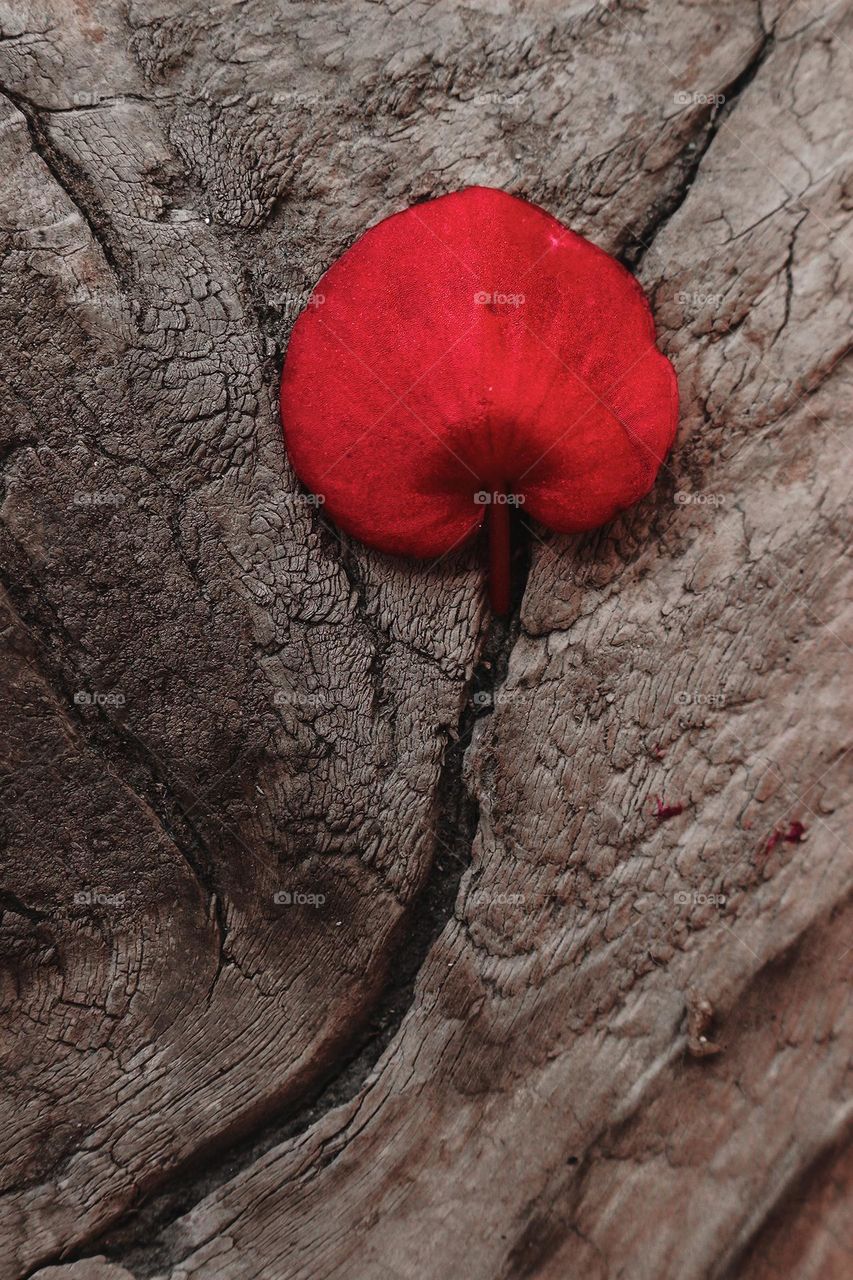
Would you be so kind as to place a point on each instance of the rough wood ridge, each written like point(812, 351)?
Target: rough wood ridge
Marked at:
point(343, 933)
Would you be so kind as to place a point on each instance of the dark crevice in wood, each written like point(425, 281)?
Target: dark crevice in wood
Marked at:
point(70, 180)
point(11, 902)
point(140, 1240)
point(780, 1218)
point(125, 754)
point(640, 242)
point(165, 1194)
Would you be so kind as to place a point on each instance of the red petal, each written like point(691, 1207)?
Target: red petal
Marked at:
point(404, 393)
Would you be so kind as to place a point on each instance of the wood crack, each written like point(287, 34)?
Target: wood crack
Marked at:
point(639, 244)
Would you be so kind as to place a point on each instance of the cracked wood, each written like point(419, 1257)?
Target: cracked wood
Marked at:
point(624, 1052)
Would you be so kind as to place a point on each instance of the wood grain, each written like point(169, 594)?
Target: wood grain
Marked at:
point(254, 1024)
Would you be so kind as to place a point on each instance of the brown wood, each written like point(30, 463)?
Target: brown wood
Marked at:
point(254, 1024)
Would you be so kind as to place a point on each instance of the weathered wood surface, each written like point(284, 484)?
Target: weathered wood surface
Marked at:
point(625, 1053)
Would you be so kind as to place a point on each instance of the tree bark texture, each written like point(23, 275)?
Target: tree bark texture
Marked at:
point(347, 933)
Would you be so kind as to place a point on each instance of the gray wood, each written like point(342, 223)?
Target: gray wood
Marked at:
point(625, 1052)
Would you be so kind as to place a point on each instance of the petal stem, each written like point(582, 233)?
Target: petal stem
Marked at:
point(499, 548)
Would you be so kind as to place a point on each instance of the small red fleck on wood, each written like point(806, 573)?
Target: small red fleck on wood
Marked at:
point(664, 810)
point(794, 835)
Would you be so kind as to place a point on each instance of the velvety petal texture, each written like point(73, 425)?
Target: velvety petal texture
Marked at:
point(470, 344)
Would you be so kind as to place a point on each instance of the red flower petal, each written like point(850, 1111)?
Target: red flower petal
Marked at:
point(473, 343)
